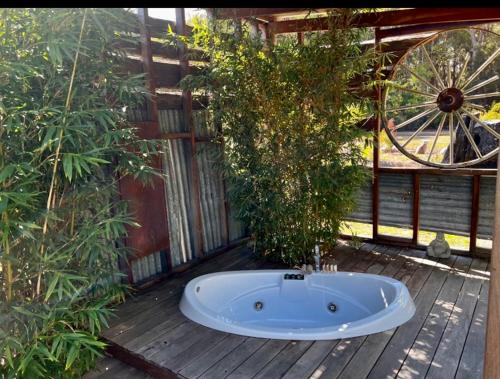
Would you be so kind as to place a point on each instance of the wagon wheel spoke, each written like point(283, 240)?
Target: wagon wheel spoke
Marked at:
point(462, 70)
point(415, 118)
point(419, 130)
point(420, 78)
point(482, 96)
point(450, 126)
point(436, 136)
point(474, 106)
point(450, 78)
point(401, 88)
point(433, 67)
point(481, 68)
point(484, 125)
point(428, 104)
point(482, 84)
point(469, 136)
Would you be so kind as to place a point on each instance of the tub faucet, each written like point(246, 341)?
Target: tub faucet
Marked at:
point(317, 258)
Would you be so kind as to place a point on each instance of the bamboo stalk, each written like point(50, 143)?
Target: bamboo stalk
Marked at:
point(58, 151)
point(8, 265)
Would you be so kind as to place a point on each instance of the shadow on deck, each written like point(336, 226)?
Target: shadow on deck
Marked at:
point(444, 339)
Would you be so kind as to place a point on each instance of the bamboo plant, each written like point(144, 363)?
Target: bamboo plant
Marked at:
point(293, 156)
point(64, 142)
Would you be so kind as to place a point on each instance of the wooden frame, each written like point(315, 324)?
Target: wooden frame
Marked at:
point(407, 22)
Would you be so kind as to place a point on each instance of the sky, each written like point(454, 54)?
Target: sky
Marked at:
point(169, 13)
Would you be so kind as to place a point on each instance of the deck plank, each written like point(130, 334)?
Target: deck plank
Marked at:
point(392, 357)
point(212, 356)
point(311, 359)
point(447, 324)
point(420, 355)
point(449, 351)
point(259, 359)
point(234, 359)
point(472, 360)
point(282, 362)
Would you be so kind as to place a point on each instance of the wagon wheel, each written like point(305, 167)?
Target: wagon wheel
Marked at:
point(446, 79)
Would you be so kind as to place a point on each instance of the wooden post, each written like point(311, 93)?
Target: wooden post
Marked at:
point(300, 38)
point(376, 150)
point(187, 107)
point(147, 61)
point(416, 207)
point(492, 352)
point(474, 216)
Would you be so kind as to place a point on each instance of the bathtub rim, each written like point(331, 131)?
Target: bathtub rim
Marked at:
point(385, 319)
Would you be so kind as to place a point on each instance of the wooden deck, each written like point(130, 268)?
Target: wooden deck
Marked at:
point(445, 338)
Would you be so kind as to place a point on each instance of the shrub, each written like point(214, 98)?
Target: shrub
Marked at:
point(292, 153)
point(64, 140)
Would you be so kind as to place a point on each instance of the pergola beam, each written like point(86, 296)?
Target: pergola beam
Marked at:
point(255, 12)
point(420, 16)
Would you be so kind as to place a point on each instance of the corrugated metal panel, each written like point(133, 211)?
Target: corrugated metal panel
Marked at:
point(445, 203)
point(396, 200)
point(146, 267)
point(363, 211)
point(486, 206)
point(237, 229)
point(211, 187)
point(177, 163)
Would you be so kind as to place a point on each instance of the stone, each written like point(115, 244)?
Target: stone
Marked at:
point(439, 248)
point(485, 141)
point(422, 148)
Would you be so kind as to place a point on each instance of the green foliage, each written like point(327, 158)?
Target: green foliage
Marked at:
point(64, 140)
point(493, 113)
point(293, 156)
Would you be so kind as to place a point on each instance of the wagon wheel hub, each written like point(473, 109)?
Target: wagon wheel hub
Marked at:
point(450, 99)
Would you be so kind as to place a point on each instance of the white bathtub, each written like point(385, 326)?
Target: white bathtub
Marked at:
point(322, 306)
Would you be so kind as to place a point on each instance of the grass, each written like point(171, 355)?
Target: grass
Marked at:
point(457, 242)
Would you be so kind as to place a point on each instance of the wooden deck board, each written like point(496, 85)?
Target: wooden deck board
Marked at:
point(447, 357)
point(389, 362)
point(451, 309)
point(420, 355)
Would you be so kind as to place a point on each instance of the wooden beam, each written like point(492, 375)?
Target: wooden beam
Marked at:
point(165, 74)
point(300, 38)
point(180, 22)
point(254, 12)
point(376, 149)
point(474, 217)
point(491, 361)
point(439, 171)
point(147, 61)
point(416, 16)
point(422, 28)
point(416, 207)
